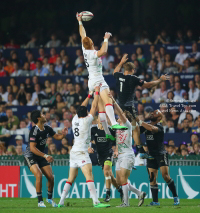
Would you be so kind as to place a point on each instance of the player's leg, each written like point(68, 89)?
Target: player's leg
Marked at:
point(153, 185)
point(72, 175)
point(170, 182)
point(117, 186)
point(38, 175)
point(47, 171)
point(124, 174)
point(109, 109)
point(103, 119)
point(107, 168)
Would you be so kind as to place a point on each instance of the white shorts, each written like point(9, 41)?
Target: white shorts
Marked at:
point(79, 159)
point(92, 83)
point(125, 161)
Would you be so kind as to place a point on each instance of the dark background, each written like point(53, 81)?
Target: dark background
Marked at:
point(125, 18)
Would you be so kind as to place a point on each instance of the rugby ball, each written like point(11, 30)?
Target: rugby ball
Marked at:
point(86, 15)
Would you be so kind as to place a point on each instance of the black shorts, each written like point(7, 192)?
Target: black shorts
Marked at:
point(29, 161)
point(158, 161)
point(108, 157)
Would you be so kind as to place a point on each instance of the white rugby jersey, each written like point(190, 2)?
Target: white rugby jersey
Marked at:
point(82, 132)
point(124, 139)
point(93, 63)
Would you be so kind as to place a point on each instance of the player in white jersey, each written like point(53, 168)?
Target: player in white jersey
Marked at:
point(125, 154)
point(79, 157)
point(94, 66)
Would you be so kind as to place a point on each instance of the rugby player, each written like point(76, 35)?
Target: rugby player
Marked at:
point(94, 66)
point(37, 161)
point(105, 149)
point(125, 154)
point(79, 157)
point(154, 133)
point(126, 83)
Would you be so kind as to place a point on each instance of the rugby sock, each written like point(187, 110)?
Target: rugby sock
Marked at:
point(65, 192)
point(39, 195)
point(154, 192)
point(103, 120)
point(125, 189)
point(92, 190)
point(133, 189)
point(172, 187)
point(108, 192)
point(111, 114)
point(49, 194)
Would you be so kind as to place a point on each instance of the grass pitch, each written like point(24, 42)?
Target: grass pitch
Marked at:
point(21, 205)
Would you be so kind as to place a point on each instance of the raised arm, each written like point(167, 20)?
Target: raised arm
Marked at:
point(118, 109)
point(155, 83)
point(123, 61)
point(147, 126)
point(104, 47)
point(81, 27)
point(95, 101)
point(86, 101)
point(62, 135)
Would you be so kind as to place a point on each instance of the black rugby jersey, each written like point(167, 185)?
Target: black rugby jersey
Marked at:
point(38, 136)
point(104, 146)
point(154, 140)
point(126, 85)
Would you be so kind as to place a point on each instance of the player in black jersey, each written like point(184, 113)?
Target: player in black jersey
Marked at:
point(154, 138)
point(126, 83)
point(105, 156)
point(37, 161)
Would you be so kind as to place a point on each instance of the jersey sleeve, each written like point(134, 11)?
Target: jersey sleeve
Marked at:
point(137, 81)
point(128, 124)
point(90, 118)
point(160, 127)
point(117, 75)
point(51, 131)
point(92, 54)
point(32, 136)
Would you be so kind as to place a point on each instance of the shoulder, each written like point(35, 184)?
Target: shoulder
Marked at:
point(47, 126)
point(34, 130)
point(160, 126)
point(118, 74)
point(94, 127)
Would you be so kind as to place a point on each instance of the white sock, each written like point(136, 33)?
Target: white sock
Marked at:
point(111, 114)
point(133, 189)
point(104, 122)
point(92, 190)
point(65, 192)
point(125, 189)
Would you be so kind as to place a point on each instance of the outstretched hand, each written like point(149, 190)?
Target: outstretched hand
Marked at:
point(164, 77)
point(79, 16)
point(124, 58)
point(65, 131)
point(107, 35)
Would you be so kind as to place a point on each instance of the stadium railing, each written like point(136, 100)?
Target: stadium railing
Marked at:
point(63, 160)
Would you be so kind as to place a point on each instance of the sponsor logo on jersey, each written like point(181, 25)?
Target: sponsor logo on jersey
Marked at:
point(43, 142)
point(150, 137)
point(101, 139)
point(40, 138)
point(77, 124)
point(32, 139)
point(83, 161)
point(96, 134)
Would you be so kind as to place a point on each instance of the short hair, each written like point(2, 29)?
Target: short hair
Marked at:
point(86, 43)
point(82, 111)
point(128, 115)
point(129, 66)
point(35, 115)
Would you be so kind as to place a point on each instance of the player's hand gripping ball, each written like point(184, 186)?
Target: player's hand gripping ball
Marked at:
point(86, 16)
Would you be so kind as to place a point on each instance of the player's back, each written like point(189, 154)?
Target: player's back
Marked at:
point(93, 63)
point(126, 85)
point(82, 133)
point(124, 139)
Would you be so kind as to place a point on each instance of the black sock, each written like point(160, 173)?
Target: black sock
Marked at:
point(49, 194)
point(39, 195)
point(172, 187)
point(140, 149)
point(154, 191)
point(108, 192)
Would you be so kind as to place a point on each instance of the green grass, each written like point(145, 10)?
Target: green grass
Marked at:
point(21, 205)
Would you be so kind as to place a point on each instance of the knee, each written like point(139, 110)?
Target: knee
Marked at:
point(166, 177)
point(106, 173)
point(51, 178)
point(38, 175)
point(153, 180)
